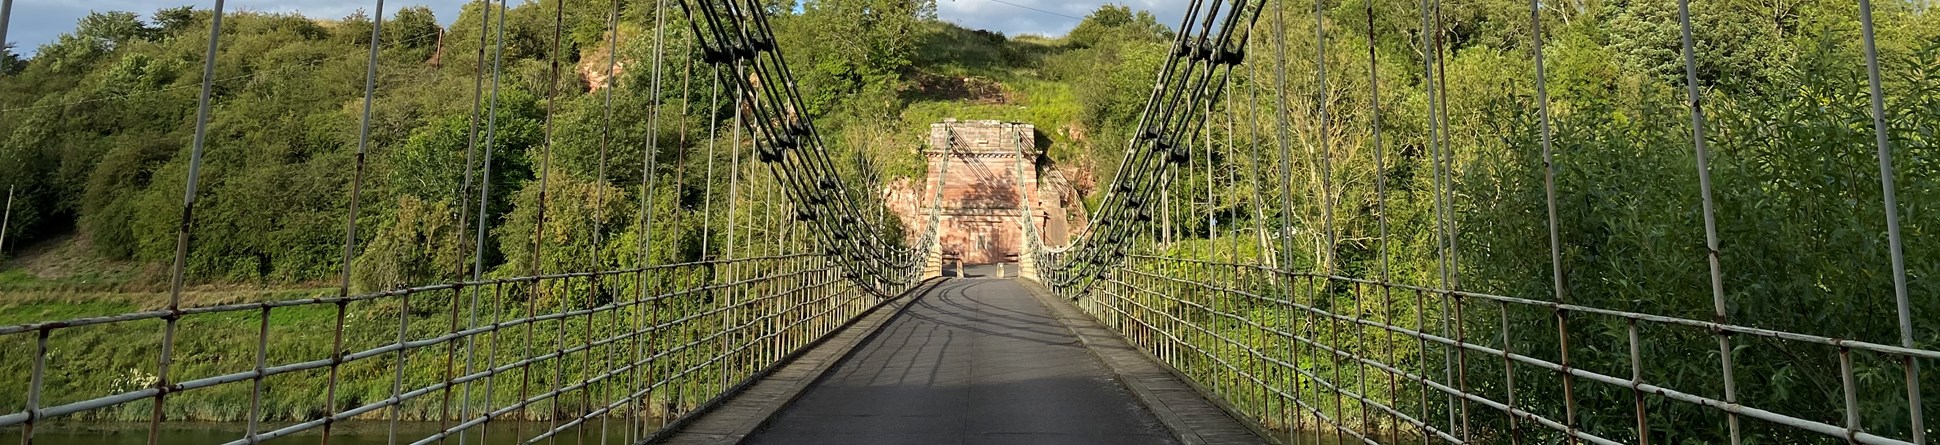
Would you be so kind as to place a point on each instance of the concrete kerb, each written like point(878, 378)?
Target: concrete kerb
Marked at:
point(868, 320)
point(1079, 323)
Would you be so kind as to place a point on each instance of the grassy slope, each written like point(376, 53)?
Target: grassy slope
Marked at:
point(67, 263)
point(959, 74)
point(1004, 80)
point(62, 279)
point(99, 360)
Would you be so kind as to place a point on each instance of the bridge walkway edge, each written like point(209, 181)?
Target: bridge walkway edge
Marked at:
point(738, 414)
point(1194, 415)
point(1184, 409)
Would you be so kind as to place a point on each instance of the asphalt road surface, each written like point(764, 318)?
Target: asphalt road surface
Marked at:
point(979, 362)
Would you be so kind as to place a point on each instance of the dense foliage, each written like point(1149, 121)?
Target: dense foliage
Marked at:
point(1794, 171)
point(98, 124)
point(99, 127)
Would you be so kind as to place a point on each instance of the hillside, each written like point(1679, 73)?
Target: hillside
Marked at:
point(100, 119)
point(1437, 159)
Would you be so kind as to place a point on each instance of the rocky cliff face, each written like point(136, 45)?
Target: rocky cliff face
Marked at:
point(906, 200)
point(1066, 200)
point(592, 67)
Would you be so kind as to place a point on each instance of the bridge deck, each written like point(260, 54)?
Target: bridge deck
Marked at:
point(972, 362)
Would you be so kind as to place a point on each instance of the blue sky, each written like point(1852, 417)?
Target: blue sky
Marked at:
point(36, 22)
point(1042, 17)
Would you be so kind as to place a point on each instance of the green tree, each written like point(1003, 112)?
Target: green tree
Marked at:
point(861, 47)
point(418, 244)
point(1115, 24)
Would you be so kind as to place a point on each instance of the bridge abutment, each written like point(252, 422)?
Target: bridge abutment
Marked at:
point(985, 183)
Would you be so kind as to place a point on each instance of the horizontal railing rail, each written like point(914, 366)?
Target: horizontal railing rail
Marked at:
point(1192, 314)
point(692, 333)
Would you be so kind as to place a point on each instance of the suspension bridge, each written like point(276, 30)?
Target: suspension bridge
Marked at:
point(818, 322)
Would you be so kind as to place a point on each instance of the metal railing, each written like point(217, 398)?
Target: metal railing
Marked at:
point(640, 347)
point(1376, 362)
point(621, 354)
point(1366, 342)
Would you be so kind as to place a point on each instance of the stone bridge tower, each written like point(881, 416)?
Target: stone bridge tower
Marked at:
point(987, 171)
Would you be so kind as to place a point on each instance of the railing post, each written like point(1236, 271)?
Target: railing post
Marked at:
point(6, 219)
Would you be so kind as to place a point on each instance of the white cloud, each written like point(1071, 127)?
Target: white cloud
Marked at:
point(36, 22)
point(1018, 17)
